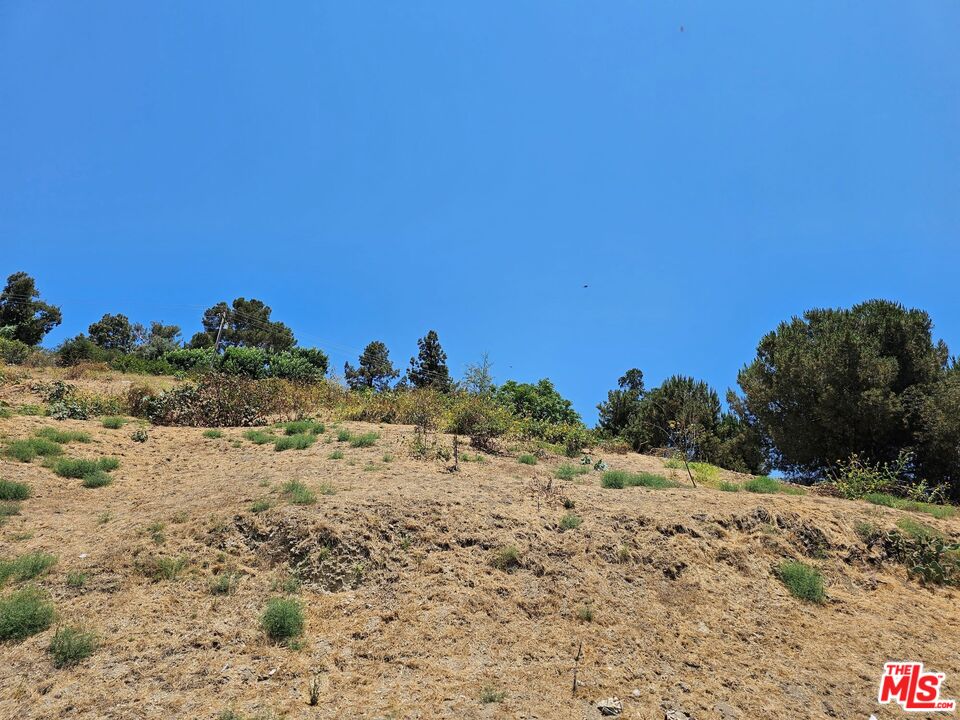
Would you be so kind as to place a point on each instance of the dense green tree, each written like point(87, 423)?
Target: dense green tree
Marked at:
point(683, 414)
point(841, 381)
point(22, 310)
point(375, 370)
point(247, 324)
point(429, 368)
point(537, 402)
point(113, 332)
point(622, 404)
point(79, 349)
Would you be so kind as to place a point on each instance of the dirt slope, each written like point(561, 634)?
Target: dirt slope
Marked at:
point(407, 618)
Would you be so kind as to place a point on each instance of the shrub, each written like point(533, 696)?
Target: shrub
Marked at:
point(368, 439)
point(506, 558)
point(10, 490)
point(619, 479)
point(803, 581)
point(283, 619)
point(570, 522)
point(294, 442)
point(26, 567)
point(139, 435)
point(481, 418)
point(527, 459)
point(14, 352)
point(336, 455)
point(492, 695)
point(248, 362)
point(96, 479)
point(70, 645)
point(27, 450)
point(25, 613)
point(729, 487)
point(114, 423)
point(215, 400)
point(926, 553)
point(293, 366)
point(213, 434)
point(260, 437)
point(585, 613)
point(191, 359)
point(298, 493)
point(79, 468)
point(343, 435)
point(76, 579)
point(569, 472)
point(62, 436)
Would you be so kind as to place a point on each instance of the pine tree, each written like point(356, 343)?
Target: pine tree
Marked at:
point(429, 368)
point(375, 371)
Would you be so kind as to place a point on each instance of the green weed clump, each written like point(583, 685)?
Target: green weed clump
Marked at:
point(803, 582)
point(729, 487)
point(767, 485)
point(368, 439)
point(492, 695)
point(25, 613)
point(527, 459)
point(300, 427)
point(937, 511)
point(917, 530)
point(336, 455)
point(343, 435)
point(70, 645)
point(570, 522)
point(619, 479)
point(260, 437)
point(27, 450)
point(80, 468)
point(569, 472)
point(10, 490)
point(96, 479)
point(63, 436)
point(506, 558)
point(213, 434)
point(260, 506)
point(283, 619)
point(26, 567)
point(294, 442)
point(298, 493)
point(114, 422)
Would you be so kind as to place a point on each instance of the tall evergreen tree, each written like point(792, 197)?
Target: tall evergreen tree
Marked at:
point(622, 404)
point(375, 370)
point(429, 368)
point(23, 315)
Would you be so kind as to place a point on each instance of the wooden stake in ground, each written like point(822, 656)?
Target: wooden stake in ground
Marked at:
point(576, 666)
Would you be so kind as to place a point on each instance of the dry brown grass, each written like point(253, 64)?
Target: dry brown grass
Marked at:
point(405, 615)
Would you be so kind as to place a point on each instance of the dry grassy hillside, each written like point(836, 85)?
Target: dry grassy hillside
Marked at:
point(414, 605)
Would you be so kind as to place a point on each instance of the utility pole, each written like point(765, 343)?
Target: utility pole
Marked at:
point(216, 345)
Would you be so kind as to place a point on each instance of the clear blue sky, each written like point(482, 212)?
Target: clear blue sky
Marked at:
point(375, 170)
